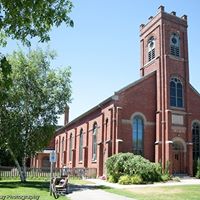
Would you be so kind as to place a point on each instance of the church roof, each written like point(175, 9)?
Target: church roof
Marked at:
point(194, 90)
point(104, 102)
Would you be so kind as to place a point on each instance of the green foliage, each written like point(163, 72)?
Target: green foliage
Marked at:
point(5, 79)
point(22, 19)
point(124, 180)
point(3, 41)
point(115, 165)
point(136, 179)
point(166, 171)
point(5, 158)
point(198, 169)
point(5, 84)
point(112, 179)
point(165, 177)
point(129, 164)
point(37, 95)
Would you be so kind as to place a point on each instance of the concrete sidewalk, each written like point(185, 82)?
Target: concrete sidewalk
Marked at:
point(95, 194)
point(92, 192)
point(183, 181)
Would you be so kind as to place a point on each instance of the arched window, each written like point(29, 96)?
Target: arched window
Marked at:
point(70, 147)
point(138, 135)
point(196, 140)
point(175, 45)
point(176, 93)
point(81, 145)
point(151, 48)
point(94, 142)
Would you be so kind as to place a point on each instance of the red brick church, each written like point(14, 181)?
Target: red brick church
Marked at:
point(157, 116)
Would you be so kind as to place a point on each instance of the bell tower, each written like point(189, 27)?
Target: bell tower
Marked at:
point(164, 51)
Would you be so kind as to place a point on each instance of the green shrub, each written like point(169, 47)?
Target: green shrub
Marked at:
point(124, 180)
point(148, 171)
point(112, 179)
point(136, 179)
point(198, 169)
point(166, 171)
point(115, 165)
point(129, 164)
point(165, 177)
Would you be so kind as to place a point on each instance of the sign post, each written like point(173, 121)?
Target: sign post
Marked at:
point(52, 159)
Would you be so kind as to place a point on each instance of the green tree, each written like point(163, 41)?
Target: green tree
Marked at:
point(5, 79)
point(37, 96)
point(5, 83)
point(25, 19)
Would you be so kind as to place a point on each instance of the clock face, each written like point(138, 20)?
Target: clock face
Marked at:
point(174, 40)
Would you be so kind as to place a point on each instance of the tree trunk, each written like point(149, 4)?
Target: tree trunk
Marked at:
point(21, 170)
point(24, 168)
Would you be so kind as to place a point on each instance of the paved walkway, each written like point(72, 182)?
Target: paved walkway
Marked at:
point(95, 194)
point(183, 181)
point(90, 192)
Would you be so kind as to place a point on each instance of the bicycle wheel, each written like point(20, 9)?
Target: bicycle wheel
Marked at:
point(54, 192)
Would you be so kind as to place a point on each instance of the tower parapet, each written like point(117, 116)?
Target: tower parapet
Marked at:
point(163, 14)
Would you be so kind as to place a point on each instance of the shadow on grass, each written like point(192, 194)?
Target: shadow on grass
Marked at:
point(42, 185)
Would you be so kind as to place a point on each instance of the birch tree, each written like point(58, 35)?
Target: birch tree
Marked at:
point(37, 96)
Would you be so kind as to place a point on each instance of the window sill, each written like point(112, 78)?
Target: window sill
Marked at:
point(94, 161)
point(177, 108)
point(176, 58)
point(150, 62)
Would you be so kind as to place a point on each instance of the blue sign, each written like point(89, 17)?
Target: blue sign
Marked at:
point(52, 156)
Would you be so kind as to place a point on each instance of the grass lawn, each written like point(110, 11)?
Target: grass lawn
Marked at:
point(31, 188)
point(186, 192)
point(39, 188)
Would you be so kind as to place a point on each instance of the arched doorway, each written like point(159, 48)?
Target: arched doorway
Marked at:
point(178, 156)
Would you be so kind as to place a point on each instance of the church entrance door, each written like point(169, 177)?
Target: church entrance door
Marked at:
point(178, 157)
